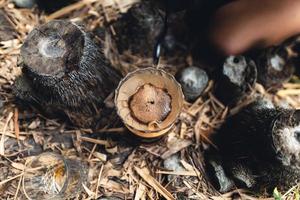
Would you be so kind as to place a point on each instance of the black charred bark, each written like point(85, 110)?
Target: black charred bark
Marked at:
point(236, 79)
point(259, 147)
point(64, 71)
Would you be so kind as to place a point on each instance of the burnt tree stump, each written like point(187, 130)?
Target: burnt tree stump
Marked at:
point(259, 148)
point(64, 71)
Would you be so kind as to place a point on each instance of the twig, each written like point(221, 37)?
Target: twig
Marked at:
point(16, 124)
point(154, 183)
point(179, 173)
point(18, 188)
point(3, 133)
point(69, 9)
point(10, 179)
point(98, 181)
point(95, 141)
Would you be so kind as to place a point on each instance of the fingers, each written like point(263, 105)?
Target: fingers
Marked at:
point(244, 24)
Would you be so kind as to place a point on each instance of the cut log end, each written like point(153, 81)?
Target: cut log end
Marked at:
point(53, 49)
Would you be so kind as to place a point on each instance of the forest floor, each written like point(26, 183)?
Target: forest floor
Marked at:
point(172, 167)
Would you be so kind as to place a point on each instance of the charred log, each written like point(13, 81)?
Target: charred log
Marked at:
point(237, 78)
point(64, 71)
point(259, 148)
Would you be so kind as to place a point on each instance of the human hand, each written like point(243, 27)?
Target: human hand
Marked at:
point(245, 24)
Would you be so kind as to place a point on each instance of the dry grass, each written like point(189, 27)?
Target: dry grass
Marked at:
point(116, 168)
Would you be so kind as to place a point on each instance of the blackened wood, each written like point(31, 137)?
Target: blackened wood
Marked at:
point(64, 70)
point(237, 77)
